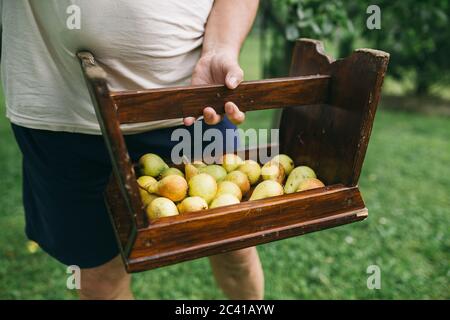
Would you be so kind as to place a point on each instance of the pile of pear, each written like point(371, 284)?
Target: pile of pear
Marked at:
point(169, 191)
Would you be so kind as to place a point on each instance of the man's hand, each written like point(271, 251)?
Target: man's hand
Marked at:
point(228, 24)
point(218, 68)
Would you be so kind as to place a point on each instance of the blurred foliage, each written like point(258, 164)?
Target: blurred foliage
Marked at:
point(415, 33)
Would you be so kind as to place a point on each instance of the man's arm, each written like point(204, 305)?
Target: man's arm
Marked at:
point(228, 25)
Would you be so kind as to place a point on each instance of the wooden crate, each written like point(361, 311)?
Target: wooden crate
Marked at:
point(329, 108)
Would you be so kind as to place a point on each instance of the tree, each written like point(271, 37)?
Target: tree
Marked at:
point(283, 21)
point(415, 33)
point(417, 36)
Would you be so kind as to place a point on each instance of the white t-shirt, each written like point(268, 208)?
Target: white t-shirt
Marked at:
point(141, 44)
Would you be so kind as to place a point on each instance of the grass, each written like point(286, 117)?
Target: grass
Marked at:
point(405, 183)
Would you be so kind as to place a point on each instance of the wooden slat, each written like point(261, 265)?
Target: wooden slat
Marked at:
point(113, 137)
point(172, 103)
point(333, 137)
point(174, 239)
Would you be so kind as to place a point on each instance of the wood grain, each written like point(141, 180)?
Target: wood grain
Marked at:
point(326, 124)
point(185, 237)
point(333, 137)
point(172, 103)
point(113, 137)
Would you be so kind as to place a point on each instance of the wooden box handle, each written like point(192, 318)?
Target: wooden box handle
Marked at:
point(189, 101)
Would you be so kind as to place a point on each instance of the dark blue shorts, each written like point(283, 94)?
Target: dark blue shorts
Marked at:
point(64, 176)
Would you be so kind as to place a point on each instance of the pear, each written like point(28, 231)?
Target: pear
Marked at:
point(240, 179)
point(171, 171)
point(146, 197)
point(252, 169)
point(228, 187)
point(214, 170)
point(309, 184)
point(203, 185)
point(198, 164)
point(161, 207)
point(145, 182)
point(286, 162)
point(266, 189)
point(191, 204)
point(172, 187)
point(152, 165)
point(296, 177)
point(224, 200)
point(273, 171)
point(231, 162)
point(190, 170)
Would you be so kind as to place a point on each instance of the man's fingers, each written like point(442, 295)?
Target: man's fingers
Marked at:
point(189, 121)
point(235, 115)
point(210, 116)
point(234, 76)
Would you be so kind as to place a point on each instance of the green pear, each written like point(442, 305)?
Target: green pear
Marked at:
point(286, 162)
point(228, 187)
point(252, 169)
point(231, 161)
point(161, 207)
point(266, 189)
point(240, 179)
point(145, 182)
point(296, 177)
point(214, 170)
point(192, 204)
point(152, 165)
point(171, 171)
point(146, 197)
point(224, 200)
point(172, 187)
point(309, 184)
point(273, 171)
point(203, 185)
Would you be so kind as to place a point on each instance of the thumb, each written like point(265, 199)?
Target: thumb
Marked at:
point(234, 76)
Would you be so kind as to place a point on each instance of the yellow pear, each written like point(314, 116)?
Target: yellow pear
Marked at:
point(266, 189)
point(198, 164)
point(172, 187)
point(296, 177)
point(161, 207)
point(171, 171)
point(152, 165)
point(203, 185)
point(231, 162)
point(224, 200)
point(240, 179)
point(309, 184)
point(191, 204)
point(252, 169)
point(286, 162)
point(145, 182)
point(228, 187)
point(190, 170)
point(273, 171)
point(146, 197)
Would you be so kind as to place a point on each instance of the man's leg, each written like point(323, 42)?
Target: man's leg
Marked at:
point(239, 274)
point(106, 282)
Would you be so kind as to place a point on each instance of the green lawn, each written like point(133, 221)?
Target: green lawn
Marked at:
point(405, 183)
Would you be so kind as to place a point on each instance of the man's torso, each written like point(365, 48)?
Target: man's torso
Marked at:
point(140, 43)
